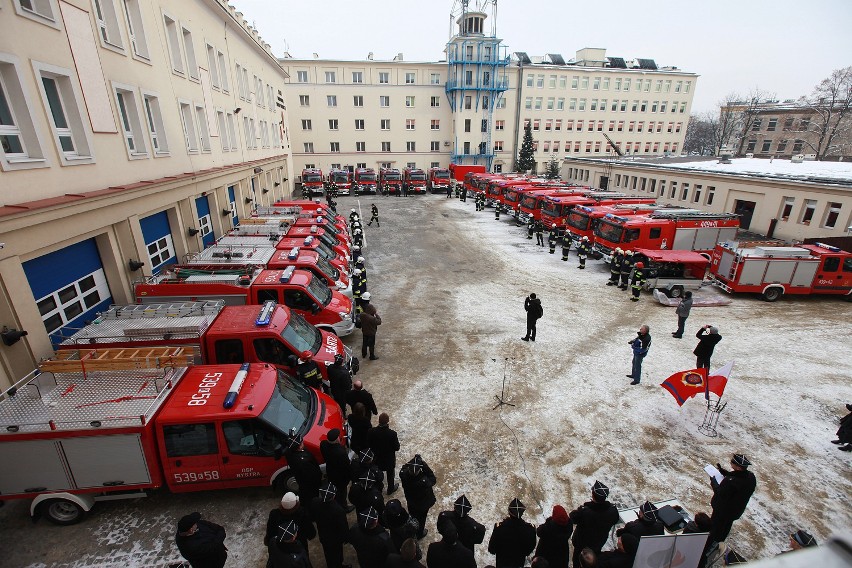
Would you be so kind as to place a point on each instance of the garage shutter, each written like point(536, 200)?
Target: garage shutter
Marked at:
point(158, 240)
point(205, 222)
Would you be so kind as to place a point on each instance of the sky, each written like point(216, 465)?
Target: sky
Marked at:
point(783, 47)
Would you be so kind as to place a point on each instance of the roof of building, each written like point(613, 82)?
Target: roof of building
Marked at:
point(832, 173)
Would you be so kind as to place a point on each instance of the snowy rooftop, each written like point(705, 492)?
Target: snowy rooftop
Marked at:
point(813, 171)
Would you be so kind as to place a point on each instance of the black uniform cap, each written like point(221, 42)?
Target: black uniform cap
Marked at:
point(462, 506)
point(366, 456)
point(328, 491)
point(516, 508)
point(288, 531)
point(294, 442)
point(649, 511)
point(368, 517)
point(740, 460)
point(600, 490)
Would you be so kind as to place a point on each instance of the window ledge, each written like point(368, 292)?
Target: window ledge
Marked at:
point(112, 47)
point(77, 158)
point(138, 155)
point(26, 160)
point(162, 154)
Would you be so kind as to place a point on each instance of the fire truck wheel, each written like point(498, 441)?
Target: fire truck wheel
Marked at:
point(676, 292)
point(772, 294)
point(285, 482)
point(62, 511)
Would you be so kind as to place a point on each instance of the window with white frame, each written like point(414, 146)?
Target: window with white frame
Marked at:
point(232, 131)
point(223, 131)
point(244, 78)
point(435, 79)
point(212, 66)
point(386, 146)
point(160, 251)
point(360, 146)
point(175, 53)
point(385, 124)
point(301, 76)
point(107, 21)
point(20, 147)
point(808, 211)
point(241, 88)
point(62, 306)
point(258, 91)
point(330, 77)
point(435, 102)
point(357, 101)
point(136, 28)
point(331, 100)
point(309, 147)
point(436, 124)
point(191, 61)
point(435, 146)
point(409, 78)
point(357, 76)
point(409, 101)
point(264, 133)
point(223, 71)
point(384, 77)
point(498, 145)
point(359, 124)
point(334, 146)
point(332, 124)
point(203, 130)
point(384, 101)
point(66, 119)
point(409, 124)
point(42, 11)
point(832, 213)
point(130, 120)
point(205, 225)
point(410, 147)
point(304, 100)
point(188, 123)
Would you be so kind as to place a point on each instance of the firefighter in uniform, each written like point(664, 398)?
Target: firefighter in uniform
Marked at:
point(308, 371)
point(539, 233)
point(626, 267)
point(375, 215)
point(357, 238)
point(583, 251)
point(566, 244)
point(496, 211)
point(359, 286)
point(615, 267)
point(353, 216)
point(552, 238)
point(638, 280)
point(478, 201)
point(306, 193)
point(360, 265)
point(460, 188)
point(530, 228)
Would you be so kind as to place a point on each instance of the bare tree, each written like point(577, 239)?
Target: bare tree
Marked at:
point(831, 104)
point(750, 108)
point(730, 117)
point(701, 133)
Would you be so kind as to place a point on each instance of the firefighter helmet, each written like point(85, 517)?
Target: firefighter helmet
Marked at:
point(353, 210)
point(366, 296)
point(640, 264)
point(306, 355)
point(628, 253)
point(357, 231)
point(618, 250)
point(553, 226)
point(585, 238)
point(339, 359)
point(360, 260)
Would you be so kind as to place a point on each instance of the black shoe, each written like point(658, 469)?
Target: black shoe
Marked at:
point(532, 338)
point(525, 339)
point(629, 376)
point(610, 283)
point(373, 358)
point(846, 448)
point(677, 336)
point(635, 383)
point(349, 508)
point(849, 407)
point(423, 534)
point(634, 299)
point(392, 490)
point(838, 442)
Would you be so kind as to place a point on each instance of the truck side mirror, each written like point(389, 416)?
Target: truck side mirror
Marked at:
point(315, 309)
point(278, 452)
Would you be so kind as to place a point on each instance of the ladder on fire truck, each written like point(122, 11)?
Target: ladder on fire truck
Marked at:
point(609, 163)
point(118, 359)
point(690, 214)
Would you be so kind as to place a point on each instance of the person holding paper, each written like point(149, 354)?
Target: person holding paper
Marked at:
point(730, 496)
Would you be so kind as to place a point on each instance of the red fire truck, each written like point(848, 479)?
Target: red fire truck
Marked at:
point(299, 208)
point(105, 426)
point(312, 181)
point(310, 243)
point(312, 261)
point(775, 271)
point(390, 181)
point(439, 180)
point(459, 172)
point(414, 180)
point(672, 271)
point(496, 188)
point(320, 216)
point(532, 202)
point(299, 290)
point(342, 179)
point(671, 229)
point(365, 181)
point(582, 219)
point(474, 183)
point(555, 209)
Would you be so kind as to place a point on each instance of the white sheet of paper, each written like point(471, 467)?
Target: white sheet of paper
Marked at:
point(714, 473)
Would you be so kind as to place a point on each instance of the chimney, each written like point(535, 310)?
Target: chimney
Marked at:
point(398, 57)
point(316, 55)
point(370, 56)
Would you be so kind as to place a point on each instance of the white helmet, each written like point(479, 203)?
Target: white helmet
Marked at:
point(629, 253)
point(585, 238)
point(353, 210)
point(357, 231)
point(366, 296)
point(553, 226)
point(360, 260)
point(618, 250)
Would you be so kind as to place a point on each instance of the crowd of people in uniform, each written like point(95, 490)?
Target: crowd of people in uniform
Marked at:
point(387, 534)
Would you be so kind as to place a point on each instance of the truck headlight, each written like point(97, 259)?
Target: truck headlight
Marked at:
point(343, 316)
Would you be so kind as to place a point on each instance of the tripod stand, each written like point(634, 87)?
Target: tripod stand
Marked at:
point(501, 398)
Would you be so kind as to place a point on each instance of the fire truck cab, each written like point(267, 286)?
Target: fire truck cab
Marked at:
point(312, 181)
point(342, 179)
point(439, 180)
point(672, 271)
point(414, 180)
point(103, 426)
point(532, 202)
point(365, 181)
point(312, 261)
point(390, 181)
point(775, 271)
point(582, 219)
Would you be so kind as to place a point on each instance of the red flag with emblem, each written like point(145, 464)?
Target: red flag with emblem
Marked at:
point(683, 385)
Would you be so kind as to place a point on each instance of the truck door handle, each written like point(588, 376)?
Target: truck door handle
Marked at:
point(178, 463)
point(225, 459)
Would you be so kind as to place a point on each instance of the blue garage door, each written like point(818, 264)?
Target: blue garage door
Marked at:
point(69, 287)
point(232, 204)
point(158, 240)
point(205, 223)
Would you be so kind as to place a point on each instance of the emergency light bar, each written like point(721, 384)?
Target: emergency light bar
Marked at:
point(293, 254)
point(616, 217)
point(265, 315)
point(829, 247)
point(287, 274)
point(320, 220)
point(584, 208)
point(314, 229)
point(231, 397)
point(309, 241)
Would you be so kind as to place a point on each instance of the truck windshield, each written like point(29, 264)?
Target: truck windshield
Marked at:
point(609, 231)
point(393, 177)
point(328, 240)
point(512, 196)
point(312, 178)
point(327, 269)
point(579, 220)
point(442, 175)
point(300, 335)
point(418, 177)
point(319, 290)
point(550, 208)
point(367, 177)
point(289, 406)
point(325, 251)
point(340, 178)
point(528, 202)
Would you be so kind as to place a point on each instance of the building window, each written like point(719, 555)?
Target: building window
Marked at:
point(357, 76)
point(384, 101)
point(764, 147)
point(409, 78)
point(131, 122)
point(782, 145)
point(301, 76)
point(203, 131)
point(306, 124)
point(831, 215)
point(19, 144)
point(135, 28)
point(359, 124)
point(797, 146)
point(332, 124)
point(223, 71)
point(386, 147)
point(435, 79)
point(384, 77)
point(468, 102)
point(468, 52)
point(536, 124)
point(188, 123)
point(309, 147)
point(156, 127)
point(435, 102)
point(409, 124)
point(304, 100)
point(232, 131)
point(331, 100)
point(385, 124)
point(787, 208)
point(788, 123)
point(212, 66)
point(684, 193)
point(66, 120)
point(334, 146)
point(584, 83)
point(191, 62)
point(466, 148)
point(435, 146)
point(773, 123)
point(755, 126)
point(435, 124)
point(223, 131)
point(160, 251)
point(409, 101)
point(499, 125)
point(467, 125)
point(538, 103)
point(330, 77)
point(410, 147)
point(751, 145)
point(107, 21)
point(357, 101)
point(173, 38)
point(808, 211)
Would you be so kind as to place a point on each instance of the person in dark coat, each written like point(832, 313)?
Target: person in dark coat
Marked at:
point(615, 267)
point(532, 306)
point(566, 245)
point(623, 556)
point(406, 558)
point(375, 215)
point(305, 469)
point(362, 395)
point(530, 228)
point(399, 523)
point(367, 483)
point(583, 250)
point(417, 481)
point(513, 539)
point(700, 524)
point(539, 233)
point(308, 371)
point(844, 433)
point(359, 421)
point(640, 345)
point(646, 524)
point(637, 281)
point(449, 552)
point(706, 343)
point(470, 531)
point(371, 541)
point(370, 321)
point(682, 311)
point(552, 239)
point(554, 538)
point(625, 268)
point(385, 443)
point(289, 510)
point(592, 522)
point(731, 496)
point(338, 468)
point(285, 550)
point(339, 381)
point(201, 543)
point(332, 527)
